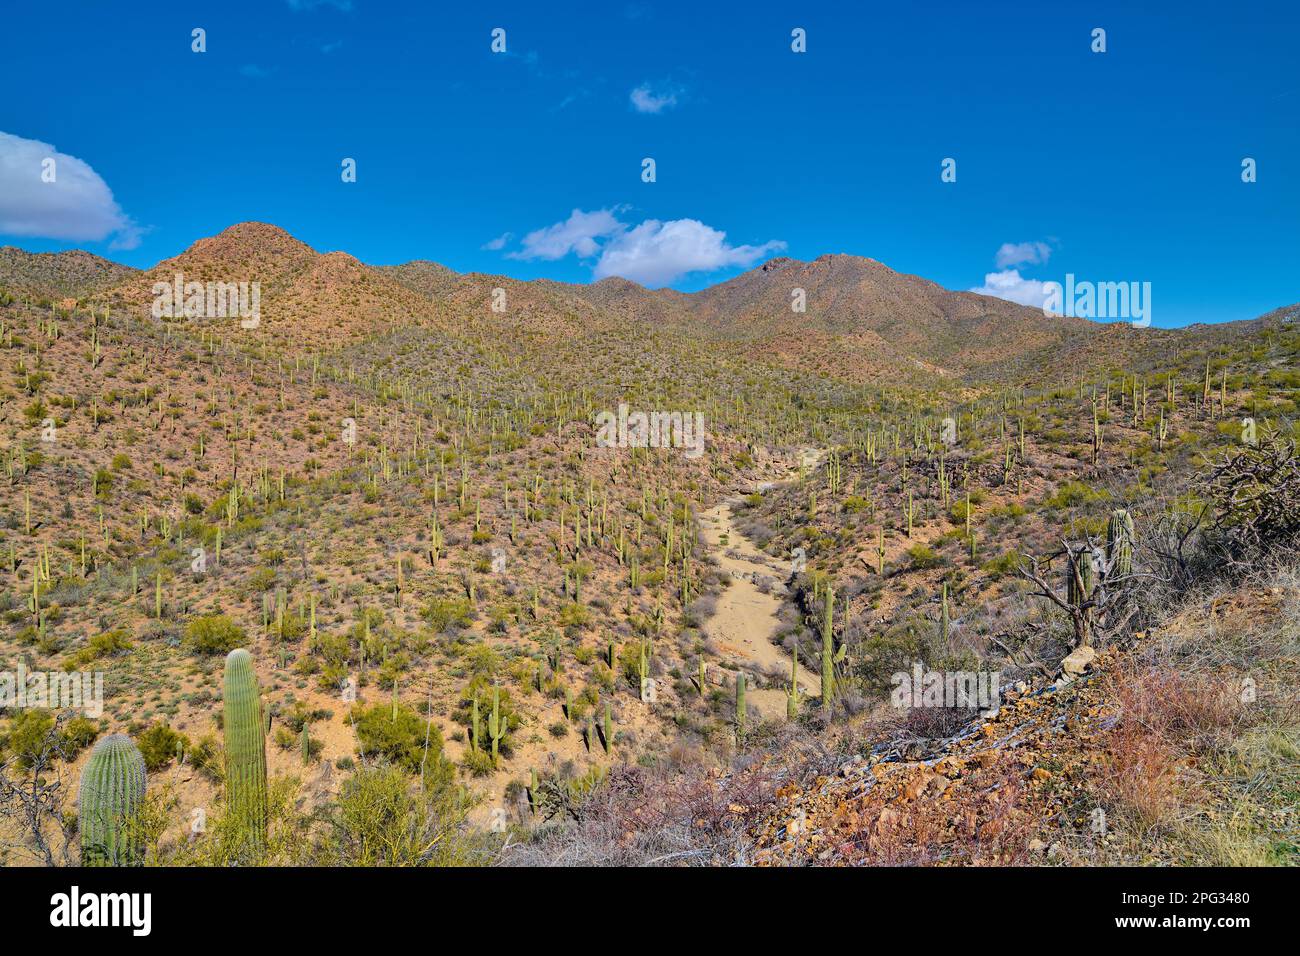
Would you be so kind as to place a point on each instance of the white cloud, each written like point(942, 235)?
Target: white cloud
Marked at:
point(646, 99)
point(78, 206)
point(653, 253)
point(1010, 285)
point(577, 234)
point(499, 242)
point(656, 253)
point(1013, 254)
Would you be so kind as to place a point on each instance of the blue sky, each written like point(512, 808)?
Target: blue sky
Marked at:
point(1115, 166)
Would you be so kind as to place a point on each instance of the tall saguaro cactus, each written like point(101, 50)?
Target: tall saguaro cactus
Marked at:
point(945, 620)
point(245, 753)
point(740, 708)
point(112, 788)
point(496, 724)
point(792, 695)
point(828, 651)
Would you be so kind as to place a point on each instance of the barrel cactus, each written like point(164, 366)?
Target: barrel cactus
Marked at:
point(1119, 543)
point(245, 754)
point(112, 788)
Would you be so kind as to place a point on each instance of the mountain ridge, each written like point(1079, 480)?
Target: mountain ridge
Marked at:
point(852, 317)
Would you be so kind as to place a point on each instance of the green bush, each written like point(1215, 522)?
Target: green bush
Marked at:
point(397, 735)
point(441, 613)
point(214, 634)
point(924, 557)
point(158, 746)
point(380, 819)
point(78, 734)
point(28, 735)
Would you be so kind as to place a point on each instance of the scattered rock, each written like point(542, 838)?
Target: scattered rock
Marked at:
point(1078, 661)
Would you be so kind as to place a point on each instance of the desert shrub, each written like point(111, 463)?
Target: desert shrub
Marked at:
point(924, 557)
point(1256, 499)
point(381, 819)
point(78, 734)
point(1000, 567)
point(98, 647)
point(214, 634)
point(29, 735)
point(442, 613)
point(397, 734)
point(1071, 494)
point(158, 745)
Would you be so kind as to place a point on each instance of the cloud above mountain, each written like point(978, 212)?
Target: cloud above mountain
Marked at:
point(577, 234)
point(52, 195)
point(656, 253)
point(653, 252)
point(1012, 254)
point(1007, 283)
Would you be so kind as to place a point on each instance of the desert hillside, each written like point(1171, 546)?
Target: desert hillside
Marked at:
point(376, 550)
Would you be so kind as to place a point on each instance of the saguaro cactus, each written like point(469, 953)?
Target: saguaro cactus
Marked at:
point(112, 787)
point(496, 724)
point(245, 753)
point(828, 651)
point(792, 696)
point(740, 707)
point(1119, 543)
point(945, 621)
point(1080, 583)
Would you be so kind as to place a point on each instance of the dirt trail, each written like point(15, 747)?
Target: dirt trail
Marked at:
point(745, 620)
